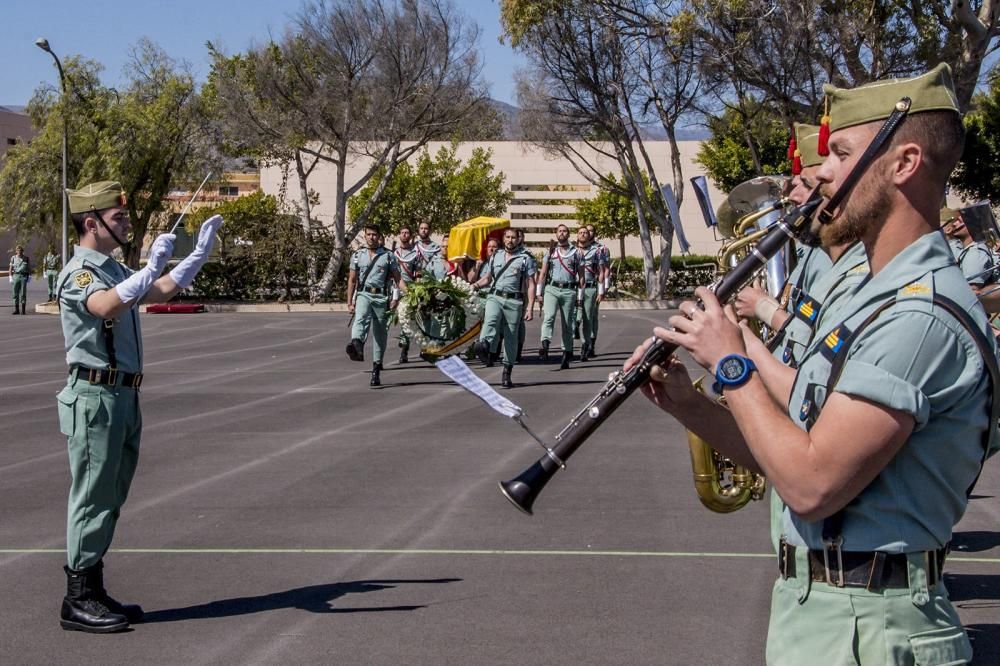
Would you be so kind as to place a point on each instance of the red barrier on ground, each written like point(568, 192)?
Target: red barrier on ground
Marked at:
point(182, 308)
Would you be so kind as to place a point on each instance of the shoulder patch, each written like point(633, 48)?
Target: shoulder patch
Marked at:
point(83, 279)
point(915, 289)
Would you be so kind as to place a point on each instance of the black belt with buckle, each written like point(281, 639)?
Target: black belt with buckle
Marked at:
point(516, 295)
point(374, 290)
point(107, 377)
point(870, 570)
point(590, 284)
point(563, 285)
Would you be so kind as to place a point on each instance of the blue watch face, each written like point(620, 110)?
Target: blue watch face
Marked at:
point(732, 368)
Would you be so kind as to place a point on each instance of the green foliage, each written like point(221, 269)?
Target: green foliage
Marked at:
point(262, 252)
point(612, 214)
point(440, 189)
point(978, 173)
point(686, 273)
point(727, 156)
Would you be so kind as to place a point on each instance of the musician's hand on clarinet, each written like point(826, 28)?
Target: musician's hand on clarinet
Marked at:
point(746, 300)
point(669, 387)
point(708, 334)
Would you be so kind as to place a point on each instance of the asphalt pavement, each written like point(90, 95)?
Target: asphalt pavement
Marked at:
point(285, 512)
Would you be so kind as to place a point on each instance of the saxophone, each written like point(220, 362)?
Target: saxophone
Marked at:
point(744, 218)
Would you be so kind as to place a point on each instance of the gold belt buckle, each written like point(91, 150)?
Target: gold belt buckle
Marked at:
point(136, 380)
point(783, 558)
point(94, 375)
point(112, 376)
point(834, 544)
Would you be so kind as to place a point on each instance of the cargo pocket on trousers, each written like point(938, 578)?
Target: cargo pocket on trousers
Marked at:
point(67, 412)
point(941, 647)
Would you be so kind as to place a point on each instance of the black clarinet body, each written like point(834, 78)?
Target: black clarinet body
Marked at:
point(525, 488)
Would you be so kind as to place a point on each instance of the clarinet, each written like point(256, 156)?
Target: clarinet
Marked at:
point(525, 488)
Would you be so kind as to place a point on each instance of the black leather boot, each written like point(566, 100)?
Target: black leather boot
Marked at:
point(16, 310)
point(590, 350)
point(566, 358)
point(483, 353)
point(505, 377)
point(404, 354)
point(585, 352)
point(543, 353)
point(84, 610)
point(356, 350)
point(132, 612)
point(376, 375)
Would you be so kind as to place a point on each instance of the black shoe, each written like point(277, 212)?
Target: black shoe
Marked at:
point(82, 607)
point(404, 355)
point(585, 352)
point(16, 311)
point(356, 350)
point(543, 352)
point(376, 379)
point(132, 612)
point(566, 358)
point(505, 377)
point(590, 350)
point(483, 353)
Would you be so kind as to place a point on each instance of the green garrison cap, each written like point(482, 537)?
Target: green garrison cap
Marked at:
point(948, 214)
point(933, 91)
point(807, 143)
point(96, 196)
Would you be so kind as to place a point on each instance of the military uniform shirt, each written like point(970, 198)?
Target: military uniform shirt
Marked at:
point(811, 262)
point(513, 277)
point(563, 265)
point(823, 297)
point(426, 252)
point(955, 245)
point(920, 360)
point(51, 263)
point(89, 271)
point(409, 264)
point(593, 260)
point(385, 264)
point(20, 266)
point(974, 260)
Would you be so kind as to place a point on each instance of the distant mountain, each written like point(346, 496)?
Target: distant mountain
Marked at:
point(512, 129)
point(13, 108)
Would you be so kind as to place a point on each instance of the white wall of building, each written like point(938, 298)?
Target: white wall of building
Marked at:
point(533, 175)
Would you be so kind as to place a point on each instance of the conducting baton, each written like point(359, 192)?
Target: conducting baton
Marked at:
point(188, 206)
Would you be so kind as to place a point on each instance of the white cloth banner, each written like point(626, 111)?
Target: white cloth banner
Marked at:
point(461, 374)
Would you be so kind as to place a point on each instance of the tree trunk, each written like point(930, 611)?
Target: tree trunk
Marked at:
point(340, 244)
point(621, 246)
point(652, 286)
point(306, 222)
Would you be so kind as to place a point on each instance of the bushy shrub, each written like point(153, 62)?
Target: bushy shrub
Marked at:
point(686, 273)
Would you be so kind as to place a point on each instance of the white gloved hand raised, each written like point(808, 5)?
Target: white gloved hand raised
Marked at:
point(185, 272)
point(135, 287)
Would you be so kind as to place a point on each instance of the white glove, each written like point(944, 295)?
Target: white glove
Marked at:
point(136, 286)
point(538, 290)
point(185, 272)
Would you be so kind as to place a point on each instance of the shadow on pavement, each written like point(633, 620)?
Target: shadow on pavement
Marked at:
point(982, 590)
point(313, 598)
point(985, 640)
point(974, 541)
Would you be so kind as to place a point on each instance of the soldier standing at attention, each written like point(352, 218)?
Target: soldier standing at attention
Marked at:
point(509, 276)
point(20, 271)
point(409, 271)
point(371, 293)
point(594, 261)
point(561, 278)
point(605, 280)
point(51, 267)
point(99, 407)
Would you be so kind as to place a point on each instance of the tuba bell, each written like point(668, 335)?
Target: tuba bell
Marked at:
point(743, 218)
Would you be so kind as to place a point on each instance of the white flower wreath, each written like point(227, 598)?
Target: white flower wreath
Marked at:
point(433, 312)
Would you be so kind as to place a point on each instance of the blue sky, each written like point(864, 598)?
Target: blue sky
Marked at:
point(105, 29)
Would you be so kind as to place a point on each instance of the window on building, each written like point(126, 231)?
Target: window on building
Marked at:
point(11, 142)
point(229, 191)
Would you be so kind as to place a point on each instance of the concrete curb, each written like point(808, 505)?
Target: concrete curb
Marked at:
point(247, 308)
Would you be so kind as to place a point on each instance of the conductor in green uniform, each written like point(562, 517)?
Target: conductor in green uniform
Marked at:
point(561, 278)
point(20, 273)
point(50, 265)
point(509, 275)
point(372, 291)
point(99, 406)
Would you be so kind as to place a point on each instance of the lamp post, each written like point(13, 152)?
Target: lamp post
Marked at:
point(43, 44)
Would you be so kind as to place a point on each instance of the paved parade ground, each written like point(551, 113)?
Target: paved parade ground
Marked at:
point(284, 512)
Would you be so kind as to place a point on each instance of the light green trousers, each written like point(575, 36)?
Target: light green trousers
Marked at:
point(50, 277)
point(19, 291)
point(371, 312)
point(501, 319)
point(588, 329)
point(562, 302)
point(103, 426)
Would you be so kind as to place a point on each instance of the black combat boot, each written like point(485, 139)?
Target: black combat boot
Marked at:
point(376, 375)
point(585, 352)
point(505, 377)
point(356, 350)
point(84, 610)
point(483, 353)
point(16, 310)
point(566, 358)
point(132, 612)
point(590, 350)
point(404, 354)
point(543, 353)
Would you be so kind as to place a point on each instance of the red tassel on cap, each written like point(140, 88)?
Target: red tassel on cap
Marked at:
point(823, 147)
point(792, 147)
point(797, 163)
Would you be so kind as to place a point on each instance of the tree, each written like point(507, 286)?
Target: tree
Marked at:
point(978, 172)
point(612, 215)
point(369, 81)
point(147, 136)
point(745, 144)
point(441, 189)
point(584, 99)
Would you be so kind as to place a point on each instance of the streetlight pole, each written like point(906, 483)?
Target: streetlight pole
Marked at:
point(43, 44)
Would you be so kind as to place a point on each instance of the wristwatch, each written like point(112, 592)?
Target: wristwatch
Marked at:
point(732, 371)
